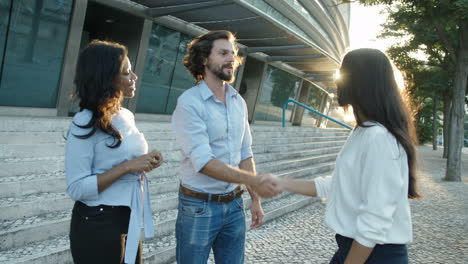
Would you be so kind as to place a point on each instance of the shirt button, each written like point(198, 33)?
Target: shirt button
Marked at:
point(100, 209)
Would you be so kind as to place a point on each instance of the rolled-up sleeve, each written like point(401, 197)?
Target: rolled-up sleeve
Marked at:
point(79, 154)
point(323, 186)
point(381, 185)
point(246, 148)
point(191, 134)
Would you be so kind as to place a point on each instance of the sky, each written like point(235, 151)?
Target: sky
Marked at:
point(365, 26)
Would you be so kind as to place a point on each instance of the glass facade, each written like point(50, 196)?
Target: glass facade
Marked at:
point(33, 53)
point(315, 100)
point(278, 86)
point(315, 97)
point(164, 77)
point(5, 6)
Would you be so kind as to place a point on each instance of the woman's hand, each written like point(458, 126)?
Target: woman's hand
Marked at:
point(145, 162)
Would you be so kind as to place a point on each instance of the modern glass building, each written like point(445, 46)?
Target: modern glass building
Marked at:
point(292, 49)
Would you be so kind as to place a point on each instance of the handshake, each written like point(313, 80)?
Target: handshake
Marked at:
point(267, 185)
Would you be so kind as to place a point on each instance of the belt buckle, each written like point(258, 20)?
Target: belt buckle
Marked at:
point(218, 198)
point(228, 197)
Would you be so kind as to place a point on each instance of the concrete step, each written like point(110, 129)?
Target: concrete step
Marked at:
point(59, 124)
point(42, 137)
point(40, 226)
point(37, 137)
point(161, 249)
point(20, 231)
point(11, 151)
point(267, 157)
point(292, 140)
point(295, 146)
point(27, 205)
point(20, 185)
point(36, 210)
point(47, 150)
point(34, 175)
point(25, 163)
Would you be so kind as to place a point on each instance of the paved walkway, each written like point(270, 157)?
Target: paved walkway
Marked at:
point(440, 223)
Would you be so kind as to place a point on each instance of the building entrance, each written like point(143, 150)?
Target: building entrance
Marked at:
point(106, 23)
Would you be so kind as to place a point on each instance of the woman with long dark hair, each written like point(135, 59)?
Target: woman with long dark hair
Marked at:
point(375, 172)
point(106, 160)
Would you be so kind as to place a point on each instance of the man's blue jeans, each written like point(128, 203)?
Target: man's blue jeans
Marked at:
point(202, 225)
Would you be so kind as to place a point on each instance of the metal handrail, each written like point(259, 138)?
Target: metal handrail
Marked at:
point(310, 109)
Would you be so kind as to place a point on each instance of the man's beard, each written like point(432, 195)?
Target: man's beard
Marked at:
point(229, 78)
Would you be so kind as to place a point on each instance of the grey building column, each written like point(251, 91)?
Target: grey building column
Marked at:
point(299, 111)
point(260, 86)
point(326, 110)
point(323, 106)
point(252, 82)
point(240, 74)
point(140, 61)
point(72, 51)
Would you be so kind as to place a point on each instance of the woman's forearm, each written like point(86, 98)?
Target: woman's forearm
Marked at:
point(304, 187)
point(358, 254)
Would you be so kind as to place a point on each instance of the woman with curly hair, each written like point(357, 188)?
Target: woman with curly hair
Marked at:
point(106, 159)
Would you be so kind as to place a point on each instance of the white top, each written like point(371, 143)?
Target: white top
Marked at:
point(368, 191)
point(85, 159)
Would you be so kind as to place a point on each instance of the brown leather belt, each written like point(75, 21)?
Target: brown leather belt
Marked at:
point(219, 198)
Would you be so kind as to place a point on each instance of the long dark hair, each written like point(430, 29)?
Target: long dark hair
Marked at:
point(200, 48)
point(367, 83)
point(99, 64)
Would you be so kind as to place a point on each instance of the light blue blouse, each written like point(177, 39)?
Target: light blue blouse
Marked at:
point(85, 159)
point(206, 128)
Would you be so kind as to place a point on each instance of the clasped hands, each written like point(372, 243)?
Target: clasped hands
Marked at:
point(146, 162)
point(267, 185)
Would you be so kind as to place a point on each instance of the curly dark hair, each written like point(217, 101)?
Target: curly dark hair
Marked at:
point(99, 64)
point(200, 48)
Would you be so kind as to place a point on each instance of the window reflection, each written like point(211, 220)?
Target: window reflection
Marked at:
point(4, 17)
point(164, 77)
point(278, 87)
point(35, 44)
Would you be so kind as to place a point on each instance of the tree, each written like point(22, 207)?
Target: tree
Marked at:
point(440, 29)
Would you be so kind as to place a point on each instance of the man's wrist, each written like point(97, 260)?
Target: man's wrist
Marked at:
point(255, 198)
point(249, 179)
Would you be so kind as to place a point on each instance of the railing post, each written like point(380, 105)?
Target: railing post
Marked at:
point(285, 104)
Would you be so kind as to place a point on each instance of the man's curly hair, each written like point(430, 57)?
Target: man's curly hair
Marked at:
point(200, 48)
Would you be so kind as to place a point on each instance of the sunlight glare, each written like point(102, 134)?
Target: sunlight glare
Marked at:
point(399, 80)
point(337, 74)
point(348, 116)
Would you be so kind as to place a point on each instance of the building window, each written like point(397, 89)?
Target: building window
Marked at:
point(5, 6)
point(316, 100)
point(32, 59)
point(181, 79)
point(278, 87)
point(164, 77)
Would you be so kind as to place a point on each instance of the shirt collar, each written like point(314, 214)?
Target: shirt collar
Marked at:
point(206, 92)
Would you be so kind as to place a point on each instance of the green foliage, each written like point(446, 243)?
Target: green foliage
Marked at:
point(423, 119)
point(466, 131)
point(284, 85)
point(433, 28)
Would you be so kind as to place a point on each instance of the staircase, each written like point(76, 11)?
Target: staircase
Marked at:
point(35, 209)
